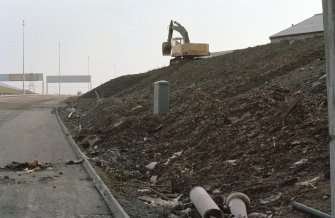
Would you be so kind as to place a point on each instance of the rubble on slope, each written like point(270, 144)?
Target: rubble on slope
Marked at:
point(253, 121)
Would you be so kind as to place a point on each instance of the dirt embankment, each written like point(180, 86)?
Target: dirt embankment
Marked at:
point(253, 121)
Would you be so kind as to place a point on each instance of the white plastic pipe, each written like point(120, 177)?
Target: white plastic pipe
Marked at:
point(204, 204)
point(238, 204)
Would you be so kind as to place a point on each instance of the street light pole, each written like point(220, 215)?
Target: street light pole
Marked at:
point(329, 25)
point(23, 79)
point(88, 72)
point(58, 68)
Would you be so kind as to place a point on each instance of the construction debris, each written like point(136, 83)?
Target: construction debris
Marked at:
point(284, 121)
point(27, 167)
point(271, 199)
point(89, 141)
point(302, 161)
point(151, 165)
point(204, 203)
point(99, 100)
point(310, 182)
point(238, 204)
point(157, 201)
point(177, 154)
point(73, 162)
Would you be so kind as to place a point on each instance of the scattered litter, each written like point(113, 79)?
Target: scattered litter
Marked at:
point(158, 193)
point(156, 201)
point(73, 162)
point(151, 165)
point(316, 84)
point(296, 142)
point(28, 171)
point(153, 179)
point(216, 191)
point(231, 162)
point(310, 182)
point(136, 108)
point(70, 114)
point(143, 190)
point(186, 211)
point(176, 200)
point(119, 123)
point(302, 161)
point(177, 154)
point(70, 109)
point(325, 196)
point(270, 199)
point(324, 76)
point(26, 167)
point(99, 100)
point(78, 130)
point(89, 141)
point(258, 168)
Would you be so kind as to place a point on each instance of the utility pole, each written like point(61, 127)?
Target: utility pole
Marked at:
point(23, 79)
point(114, 71)
point(58, 68)
point(88, 72)
point(329, 31)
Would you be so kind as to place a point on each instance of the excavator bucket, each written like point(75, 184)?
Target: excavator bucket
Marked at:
point(166, 48)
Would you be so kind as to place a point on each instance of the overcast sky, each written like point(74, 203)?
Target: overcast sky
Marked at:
point(125, 36)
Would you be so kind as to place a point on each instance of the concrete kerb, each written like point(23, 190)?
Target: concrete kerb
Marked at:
point(112, 203)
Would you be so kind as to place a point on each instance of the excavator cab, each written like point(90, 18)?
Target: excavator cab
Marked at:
point(177, 41)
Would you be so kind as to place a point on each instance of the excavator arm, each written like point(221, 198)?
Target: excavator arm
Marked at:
point(183, 32)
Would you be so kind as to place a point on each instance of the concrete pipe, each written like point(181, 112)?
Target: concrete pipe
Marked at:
point(239, 204)
point(204, 203)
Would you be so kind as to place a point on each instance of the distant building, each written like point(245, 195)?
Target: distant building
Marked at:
point(309, 28)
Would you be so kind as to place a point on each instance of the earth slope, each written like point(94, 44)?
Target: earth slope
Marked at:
point(253, 121)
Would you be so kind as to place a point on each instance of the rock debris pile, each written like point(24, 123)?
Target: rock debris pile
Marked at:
point(252, 121)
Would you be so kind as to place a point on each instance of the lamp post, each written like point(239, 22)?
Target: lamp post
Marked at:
point(58, 68)
point(88, 72)
point(23, 77)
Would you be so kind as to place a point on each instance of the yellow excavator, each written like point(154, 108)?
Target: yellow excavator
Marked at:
point(180, 48)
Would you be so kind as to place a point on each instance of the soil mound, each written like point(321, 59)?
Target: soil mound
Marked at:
point(253, 121)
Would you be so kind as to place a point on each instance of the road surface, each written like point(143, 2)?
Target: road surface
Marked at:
point(28, 134)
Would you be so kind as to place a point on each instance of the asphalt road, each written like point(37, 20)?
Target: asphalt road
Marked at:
point(28, 134)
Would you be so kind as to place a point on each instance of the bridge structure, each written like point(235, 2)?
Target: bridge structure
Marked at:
point(30, 77)
point(68, 79)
